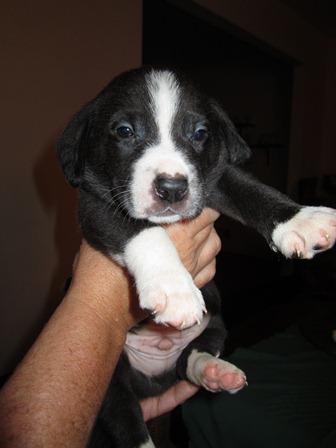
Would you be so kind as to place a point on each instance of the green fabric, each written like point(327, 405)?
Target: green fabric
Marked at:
point(290, 400)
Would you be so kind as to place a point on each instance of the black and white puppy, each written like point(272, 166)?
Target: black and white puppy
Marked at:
point(149, 150)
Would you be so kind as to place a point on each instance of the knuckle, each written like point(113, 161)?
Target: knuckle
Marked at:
point(213, 269)
point(218, 244)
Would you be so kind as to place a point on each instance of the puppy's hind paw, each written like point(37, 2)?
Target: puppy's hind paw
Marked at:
point(215, 374)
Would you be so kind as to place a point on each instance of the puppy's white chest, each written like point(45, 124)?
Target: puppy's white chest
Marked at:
point(153, 349)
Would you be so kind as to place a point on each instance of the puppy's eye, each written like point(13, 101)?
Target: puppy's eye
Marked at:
point(125, 131)
point(200, 135)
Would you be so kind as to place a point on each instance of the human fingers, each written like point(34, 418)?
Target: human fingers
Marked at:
point(207, 217)
point(202, 236)
point(190, 244)
point(208, 250)
point(153, 407)
point(202, 258)
point(205, 261)
point(206, 274)
point(193, 226)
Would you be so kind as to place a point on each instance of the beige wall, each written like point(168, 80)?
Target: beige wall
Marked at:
point(54, 57)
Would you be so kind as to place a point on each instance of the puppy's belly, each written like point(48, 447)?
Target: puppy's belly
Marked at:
point(153, 349)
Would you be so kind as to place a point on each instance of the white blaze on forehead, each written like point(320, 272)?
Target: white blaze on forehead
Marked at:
point(164, 93)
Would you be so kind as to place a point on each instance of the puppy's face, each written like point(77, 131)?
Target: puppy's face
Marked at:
point(159, 142)
point(149, 144)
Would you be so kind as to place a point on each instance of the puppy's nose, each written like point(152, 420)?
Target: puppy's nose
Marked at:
point(171, 189)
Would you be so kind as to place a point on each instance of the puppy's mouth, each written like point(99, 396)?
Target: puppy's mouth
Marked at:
point(166, 215)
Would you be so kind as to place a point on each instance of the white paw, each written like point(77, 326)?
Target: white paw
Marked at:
point(214, 374)
point(173, 298)
point(310, 231)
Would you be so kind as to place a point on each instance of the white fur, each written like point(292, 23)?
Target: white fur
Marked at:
point(164, 285)
point(198, 361)
point(163, 157)
point(309, 228)
point(119, 258)
point(164, 91)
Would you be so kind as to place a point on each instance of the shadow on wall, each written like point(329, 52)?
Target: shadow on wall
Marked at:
point(59, 203)
point(59, 199)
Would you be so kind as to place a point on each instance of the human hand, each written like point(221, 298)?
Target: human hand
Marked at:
point(197, 243)
point(153, 407)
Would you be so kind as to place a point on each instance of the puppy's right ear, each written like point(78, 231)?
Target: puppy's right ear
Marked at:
point(73, 143)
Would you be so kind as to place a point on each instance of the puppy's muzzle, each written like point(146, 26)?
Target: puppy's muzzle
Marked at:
point(171, 189)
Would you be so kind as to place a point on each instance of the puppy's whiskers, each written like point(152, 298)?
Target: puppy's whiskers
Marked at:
point(119, 201)
point(108, 191)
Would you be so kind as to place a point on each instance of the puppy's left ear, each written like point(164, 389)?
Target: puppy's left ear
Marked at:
point(238, 151)
point(73, 144)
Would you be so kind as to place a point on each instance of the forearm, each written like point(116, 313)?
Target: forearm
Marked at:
point(54, 395)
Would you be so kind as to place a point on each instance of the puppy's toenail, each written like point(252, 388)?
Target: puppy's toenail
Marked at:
point(273, 247)
point(297, 254)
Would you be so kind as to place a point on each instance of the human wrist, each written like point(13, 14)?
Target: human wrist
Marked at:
point(96, 310)
point(105, 288)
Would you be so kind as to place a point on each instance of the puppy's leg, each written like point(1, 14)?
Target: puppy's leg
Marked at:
point(164, 285)
point(294, 230)
point(199, 362)
point(214, 374)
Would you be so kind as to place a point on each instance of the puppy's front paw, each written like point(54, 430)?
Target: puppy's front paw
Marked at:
point(310, 231)
point(173, 298)
point(215, 374)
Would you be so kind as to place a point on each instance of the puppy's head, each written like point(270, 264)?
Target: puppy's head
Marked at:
point(151, 145)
